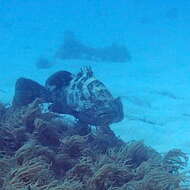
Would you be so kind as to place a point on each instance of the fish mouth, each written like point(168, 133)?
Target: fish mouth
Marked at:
point(105, 118)
point(103, 115)
point(111, 113)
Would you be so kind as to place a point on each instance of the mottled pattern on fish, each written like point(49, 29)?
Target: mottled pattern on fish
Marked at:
point(85, 90)
point(81, 95)
point(91, 100)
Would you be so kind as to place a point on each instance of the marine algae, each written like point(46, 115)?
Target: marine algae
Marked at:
point(78, 161)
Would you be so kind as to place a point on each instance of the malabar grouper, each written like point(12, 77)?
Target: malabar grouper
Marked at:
point(81, 95)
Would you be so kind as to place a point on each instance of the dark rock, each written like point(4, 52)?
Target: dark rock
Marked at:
point(56, 85)
point(27, 90)
point(58, 80)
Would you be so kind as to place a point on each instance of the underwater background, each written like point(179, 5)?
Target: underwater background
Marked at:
point(154, 83)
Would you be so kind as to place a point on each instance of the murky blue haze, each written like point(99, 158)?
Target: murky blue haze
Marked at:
point(154, 85)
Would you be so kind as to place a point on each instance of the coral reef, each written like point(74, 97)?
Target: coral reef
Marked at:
point(45, 150)
point(55, 156)
point(2, 109)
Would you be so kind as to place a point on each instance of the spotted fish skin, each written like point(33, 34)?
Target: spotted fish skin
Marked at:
point(91, 100)
point(81, 95)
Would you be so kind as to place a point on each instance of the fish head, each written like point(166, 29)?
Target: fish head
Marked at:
point(92, 101)
point(102, 113)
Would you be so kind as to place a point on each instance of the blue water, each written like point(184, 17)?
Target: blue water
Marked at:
point(154, 85)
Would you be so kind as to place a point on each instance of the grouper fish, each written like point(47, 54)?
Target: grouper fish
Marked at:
point(81, 95)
